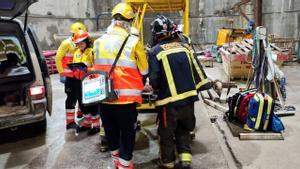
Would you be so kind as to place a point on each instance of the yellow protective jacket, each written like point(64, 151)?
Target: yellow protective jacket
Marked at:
point(85, 57)
point(64, 56)
point(130, 68)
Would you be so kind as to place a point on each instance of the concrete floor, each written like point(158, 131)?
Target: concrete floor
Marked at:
point(264, 154)
point(213, 148)
point(61, 149)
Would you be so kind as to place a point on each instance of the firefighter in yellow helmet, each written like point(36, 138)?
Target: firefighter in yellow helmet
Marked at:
point(63, 57)
point(84, 54)
point(120, 116)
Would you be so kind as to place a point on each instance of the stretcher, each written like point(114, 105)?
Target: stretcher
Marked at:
point(148, 103)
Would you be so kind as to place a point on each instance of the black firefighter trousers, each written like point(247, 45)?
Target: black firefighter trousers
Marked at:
point(175, 125)
point(119, 122)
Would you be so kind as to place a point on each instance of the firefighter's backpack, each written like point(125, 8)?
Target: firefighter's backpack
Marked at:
point(260, 108)
point(238, 106)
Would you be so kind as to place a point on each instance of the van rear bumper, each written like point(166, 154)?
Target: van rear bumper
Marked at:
point(16, 120)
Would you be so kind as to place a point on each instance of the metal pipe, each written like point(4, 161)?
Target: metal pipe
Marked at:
point(258, 12)
point(98, 16)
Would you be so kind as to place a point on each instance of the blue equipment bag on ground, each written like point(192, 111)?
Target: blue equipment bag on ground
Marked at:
point(261, 108)
point(277, 125)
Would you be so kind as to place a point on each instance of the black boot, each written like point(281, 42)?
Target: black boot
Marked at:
point(93, 131)
point(185, 165)
point(71, 125)
point(79, 116)
point(82, 129)
point(104, 146)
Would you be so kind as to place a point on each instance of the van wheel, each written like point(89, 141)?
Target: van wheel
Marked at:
point(41, 126)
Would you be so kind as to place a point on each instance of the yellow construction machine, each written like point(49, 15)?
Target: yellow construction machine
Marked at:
point(156, 6)
point(227, 35)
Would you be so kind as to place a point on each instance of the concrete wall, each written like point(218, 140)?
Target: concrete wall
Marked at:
point(281, 17)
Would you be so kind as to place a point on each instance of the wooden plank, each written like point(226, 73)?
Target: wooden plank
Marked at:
point(261, 136)
point(215, 105)
point(243, 48)
point(249, 46)
point(250, 41)
point(213, 95)
point(223, 97)
point(204, 95)
point(238, 50)
point(277, 48)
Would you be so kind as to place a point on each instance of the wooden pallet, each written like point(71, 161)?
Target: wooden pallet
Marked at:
point(50, 60)
point(238, 130)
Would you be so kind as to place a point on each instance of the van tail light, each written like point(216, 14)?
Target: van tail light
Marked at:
point(37, 92)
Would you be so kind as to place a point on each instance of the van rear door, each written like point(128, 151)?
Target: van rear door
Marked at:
point(43, 66)
point(14, 8)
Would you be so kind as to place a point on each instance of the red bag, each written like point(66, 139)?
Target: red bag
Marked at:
point(242, 112)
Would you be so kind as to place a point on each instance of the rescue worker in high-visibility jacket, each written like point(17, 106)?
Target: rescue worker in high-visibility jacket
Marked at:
point(63, 57)
point(84, 54)
point(175, 75)
point(120, 116)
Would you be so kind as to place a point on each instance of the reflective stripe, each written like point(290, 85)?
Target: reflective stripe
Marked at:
point(97, 44)
point(185, 157)
point(86, 124)
point(126, 100)
point(124, 162)
point(96, 125)
point(102, 133)
point(67, 71)
point(123, 63)
point(170, 51)
point(270, 100)
point(168, 165)
point(201, 83)
point(128, 92)
point(87, 121)
point(70, 117)
point(176, 98)
point(144, 72)
point(203, 79)
point(261, 101)
point(169, 75)
point(69, 55)
point(70, 110)
point(96, 117)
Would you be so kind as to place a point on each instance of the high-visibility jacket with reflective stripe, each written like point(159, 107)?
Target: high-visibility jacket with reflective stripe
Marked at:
point(172, 71)
point(85, 57)
point(64, 56)
point(132, 64)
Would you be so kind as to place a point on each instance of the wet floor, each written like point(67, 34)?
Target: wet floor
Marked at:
point(60, 149)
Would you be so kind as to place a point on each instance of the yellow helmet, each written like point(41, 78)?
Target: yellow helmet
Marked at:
point(123, 9)
point(76, 26)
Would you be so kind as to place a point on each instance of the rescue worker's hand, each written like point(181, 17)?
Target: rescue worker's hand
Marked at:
point(62, 79)
point(148, 88)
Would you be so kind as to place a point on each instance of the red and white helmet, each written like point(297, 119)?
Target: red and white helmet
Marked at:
point(80, 36)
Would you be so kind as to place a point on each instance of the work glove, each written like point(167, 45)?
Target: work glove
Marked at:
point(148, 88)
point(62, 79)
